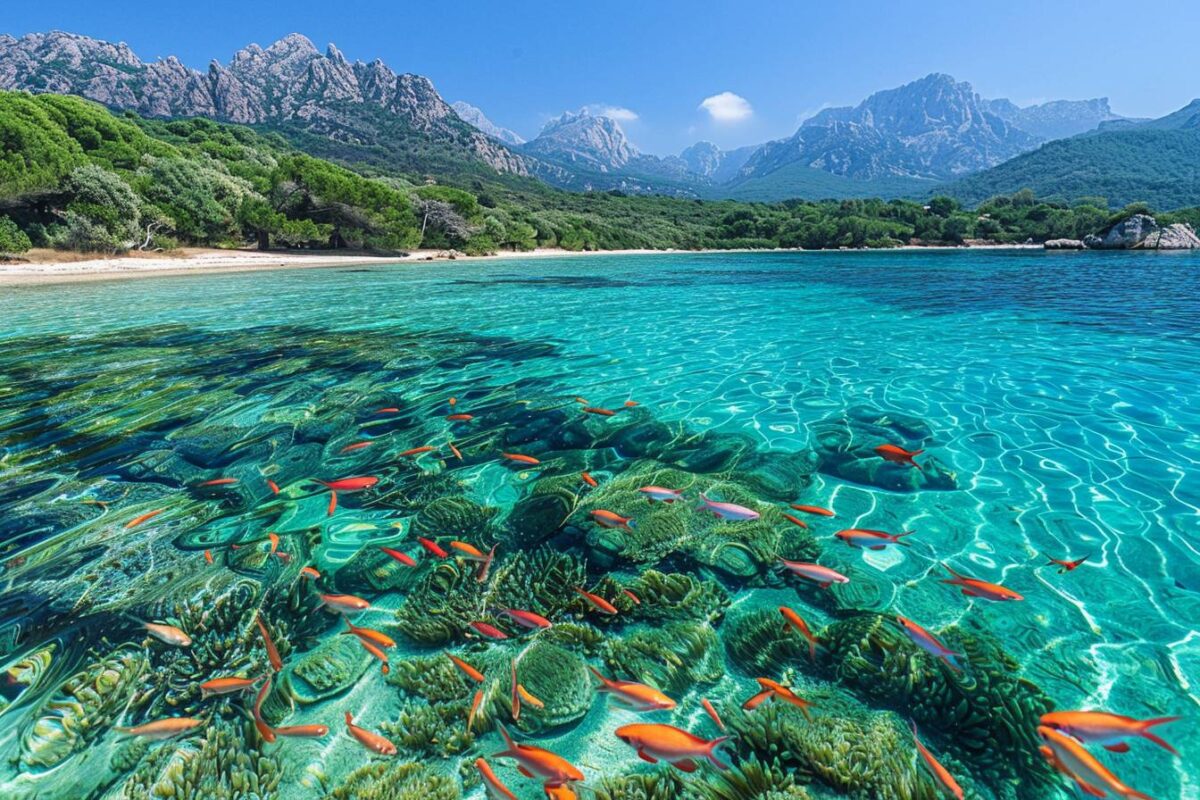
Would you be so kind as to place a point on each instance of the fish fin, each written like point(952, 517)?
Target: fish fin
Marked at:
point(603, 680)
point(880, 546)
point(812, 650)
point(757, 700)
point(1160, 742)
point(1120, 747)
point(349, 719)
point(508, 740)
point(644, 756)
point(685, 764)
point(524, 771)
point(916, 452)
point(712, 752)
point(1088, 789)
point(631, 524)
point(825, 584)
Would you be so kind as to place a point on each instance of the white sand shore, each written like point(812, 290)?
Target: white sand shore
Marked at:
point(48, 266)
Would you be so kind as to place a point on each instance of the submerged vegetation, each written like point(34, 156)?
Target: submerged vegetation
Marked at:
point(75, 176)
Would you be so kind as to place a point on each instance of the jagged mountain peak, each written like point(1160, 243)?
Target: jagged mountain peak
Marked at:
point(581, 137)
point(477, 119)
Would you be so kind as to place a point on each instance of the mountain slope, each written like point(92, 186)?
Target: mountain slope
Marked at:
point(798, 180)
point(477, 119)
point(1056, 119)
point(289, 84)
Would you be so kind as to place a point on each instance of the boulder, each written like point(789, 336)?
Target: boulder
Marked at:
point(1064, 244)
point(1178, 236)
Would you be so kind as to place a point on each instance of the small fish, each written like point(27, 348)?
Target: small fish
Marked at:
point(603, 412)
point(563, 792)
point(416, 451)
point(356, 484)
point(310, 572)
point(162, 728)
point(608, 519)
point(350, 448)
point(388, 410)
point(795, 520)
point(218, 482)
point(527, 619)
point(821, 512)
point(133, 523)
point(941, 773)
point(284, 557)
point(453, 402)
point(264, 730)
point(630, 403)
point(485, 565)
point(898, 455)
point(374, 650)
point(332, 504)
point(468, 550)
point(1067, 566)
point(345, 603)
point(538, 762)
point(460, 417)
point(475, 703)
point(220, 686)
point(208, 557)
point(490, 631)
point(273, 486)
point(168, 634)
point(660, 494)
point(454, 450)
point(712, 712)
point(403, 558)
point(655, 743)
point(377, 638)
point(582, 401)
point(521, 459)
point(516, 698)
point(632, 597)
point(496, 790)
point(634, 696)
point(372, 741)
point(529, 699)
point(773, 690)
point(977, 588)
point(871, 540)
point(929, 643)
point(1107, 730)
point(794, 620)
point(467, 669)
point(1092, 777)
point(727, 511)
point(432, 547)
point(598, 602)
point(822, 576)
point(272, 653)
point(273, 538)
point(304, 731)
point(588, 479)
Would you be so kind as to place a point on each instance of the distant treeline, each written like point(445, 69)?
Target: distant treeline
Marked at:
point(75, 176)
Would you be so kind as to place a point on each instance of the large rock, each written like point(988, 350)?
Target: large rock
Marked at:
point(1178, 236)
point(1064, 244)
point(1129, 233)
point(1142, 232)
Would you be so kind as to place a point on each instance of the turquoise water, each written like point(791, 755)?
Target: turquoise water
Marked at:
point(1055, 395)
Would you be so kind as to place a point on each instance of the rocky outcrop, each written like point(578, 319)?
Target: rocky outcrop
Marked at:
point(589, 140)
point(1142, 232)
point(1056, 119)
point(1064, 244)
point(289, 82)
point(1177, 236)
point(477, 119)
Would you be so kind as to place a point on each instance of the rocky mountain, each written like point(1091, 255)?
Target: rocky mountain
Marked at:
point(1056, 119)
point(932, 128)
point(583, 139)
point(709, 161)
point(290, 83)
point(478, 120)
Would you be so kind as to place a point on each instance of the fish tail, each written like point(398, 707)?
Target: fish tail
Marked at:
point(1158, 740)
point(349, 719)
point(631, 524)
point(917, 452)
point(602, 679)
point(957, 577)
point(1134, 793)
point(508, 741)
point(712, 752)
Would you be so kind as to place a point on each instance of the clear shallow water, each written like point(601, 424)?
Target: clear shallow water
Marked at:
point(1059, 393)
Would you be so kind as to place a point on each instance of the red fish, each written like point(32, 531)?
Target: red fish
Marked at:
point(433, 547)
point(1092, 777)
point(632, 597)
point(1107, 730)
point(898, 455)
point(485, 565)
point(496, 790)
point(372, 741)
point(795, 520)
point(661, 494)
point(794, 620)
point(822, 576)
point(133, 523)
point(273, 486)
point(350, 484)
point(272, 653)
point(416, 451)
point(820, 512)
point(635, 696)
point(772, 690)
point(655, 743)
point(467, 669)
point(977, 588)
point(460, 417)
point(453, 402)
point(208, 557)
point(345, 603)
point(871, 540)
point(598, 602)
point(603, 412)
point(490, 631)
point(304, 731)
point(608, 519)
point(403, 558)
point(475, 704)
point(929, 643)
point(521, 459)
point(1067, 566)
point(454, 450)
point(941, 773)
point(527, 619)
point(264, 730)
point(588, 479)
point(468, 550)
point(630, 403)
point(219, 482)
point(388, 410)
point(712, 712)
point(516, 697)
point(350, 448)
point(553, 769)
point(310, 572)
point(220, 686)
point(374, 650)
point(332, 504)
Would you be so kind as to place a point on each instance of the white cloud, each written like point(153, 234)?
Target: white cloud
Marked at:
point(619, 113)
point(727, 107)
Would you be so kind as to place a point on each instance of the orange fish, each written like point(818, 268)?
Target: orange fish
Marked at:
point(433, 547)
point(821, 512)
point(332, 504)
point(521, 459)
point(485, 565)
point(345, 603)
point(1092, 777)
point(168, 634)
point(1067, 566)
point(588, 479)
point(454, 450)
point(371, 648)
point(468, 550)
point(712, 712)
point(496, 790)
point(416, 451)
point(304, 731)
point(563, 792)
point(630, 403)
point(133, 523)
point(527, 619)
point(795, 520)
point(1107, 730)
point(537, 762)
point(403, 558)
point(460, 417)
point(490, 631)
point(871, 540)
point(972, 587)
point(310, 572)
point(582, 401)
point(516, 698)
point(284, 557)
point(264, 730)
point(453, 402)
point(470, 671)
point(220, 686)
point(273, 538)
point(377, 638)
point(632, 597)
point(219, 482)
point(162, 728)
point(208, 558)
point(598, 602)
point(350, 484)
point(797, 622)
point(608, 519)
point(929, 643)
point(372, 741)
point(350, 448)
point(529, 699)
point(898, 455)
point(603, 412)
point(655, 743)
point(388, 410)
point(822, 576)
point(272, 653)
point(772, 690)
point(941, 773)
point(475, 703)
point(273, 486)
point(634, 696)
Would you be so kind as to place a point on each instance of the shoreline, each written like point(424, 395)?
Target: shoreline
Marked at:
point(50, 267)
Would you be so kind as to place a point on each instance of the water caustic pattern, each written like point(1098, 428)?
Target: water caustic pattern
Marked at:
point(243, 527)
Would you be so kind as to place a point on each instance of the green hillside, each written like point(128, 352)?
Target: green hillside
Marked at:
point(797, 180)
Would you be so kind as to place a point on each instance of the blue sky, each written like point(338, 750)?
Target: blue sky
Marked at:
point(522, 62)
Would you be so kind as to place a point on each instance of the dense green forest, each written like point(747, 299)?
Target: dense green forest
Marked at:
point(75, 176)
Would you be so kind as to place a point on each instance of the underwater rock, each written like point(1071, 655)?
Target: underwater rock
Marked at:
point(560, 680)
point(672, 658)
point(456, 517)
point(775, 474)
point(660, 785)
point(677, 596)
point(431, 730)
point(535, 518)
point(330, 669)
point(386, 780)
point(371, 570)
point(760, 643)
point(437, 611)
point(434, 678)
point(750, 779)
point(845, 448)
point(412, 493)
